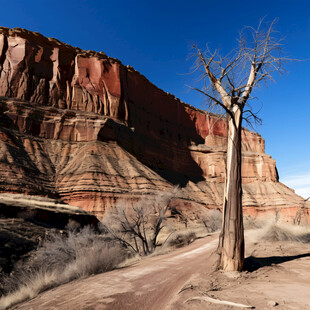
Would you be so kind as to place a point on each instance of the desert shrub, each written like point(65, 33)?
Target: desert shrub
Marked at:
point(180, 238)
point(285, 232)
point(60, 259)
point(137, 225)
point(213, 221)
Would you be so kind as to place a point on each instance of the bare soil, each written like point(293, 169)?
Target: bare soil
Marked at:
point(277, 276)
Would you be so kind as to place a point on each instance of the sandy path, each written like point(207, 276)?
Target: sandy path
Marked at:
point(150, 284)
point(281, 280)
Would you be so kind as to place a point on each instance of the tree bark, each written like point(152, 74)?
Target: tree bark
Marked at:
point(231, 245)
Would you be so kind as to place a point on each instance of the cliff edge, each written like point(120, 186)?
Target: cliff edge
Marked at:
point(80, 126)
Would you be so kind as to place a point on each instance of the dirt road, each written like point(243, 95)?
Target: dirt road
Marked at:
point(152, 283)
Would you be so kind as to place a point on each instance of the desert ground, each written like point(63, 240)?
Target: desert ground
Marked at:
point(277, 272)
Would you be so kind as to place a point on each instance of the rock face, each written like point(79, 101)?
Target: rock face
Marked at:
point(80, 126)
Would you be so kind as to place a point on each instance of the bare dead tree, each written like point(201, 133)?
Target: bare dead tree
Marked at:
point(138, 225)
point(229, 82)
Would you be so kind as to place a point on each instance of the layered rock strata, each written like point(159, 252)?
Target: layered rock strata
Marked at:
point(83, 127)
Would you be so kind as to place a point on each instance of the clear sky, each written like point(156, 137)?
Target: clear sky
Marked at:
point(155, 37)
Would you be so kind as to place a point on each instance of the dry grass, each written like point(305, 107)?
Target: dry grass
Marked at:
point(61, 259)
point(272, 231)
point(285, 232)
point(77, 254)
point(180, 238)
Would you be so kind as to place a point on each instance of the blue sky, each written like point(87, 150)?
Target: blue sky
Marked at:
point(155, 38)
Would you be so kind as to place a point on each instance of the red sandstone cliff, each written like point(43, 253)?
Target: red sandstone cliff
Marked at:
point(81, 126)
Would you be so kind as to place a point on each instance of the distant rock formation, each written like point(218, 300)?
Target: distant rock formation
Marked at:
point(80, 126)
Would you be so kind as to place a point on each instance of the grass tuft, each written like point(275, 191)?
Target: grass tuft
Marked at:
point(60, 259)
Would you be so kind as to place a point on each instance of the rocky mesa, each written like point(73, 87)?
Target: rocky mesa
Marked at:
point(80, 126)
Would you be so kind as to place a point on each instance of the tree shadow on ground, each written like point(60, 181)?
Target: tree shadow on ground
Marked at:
point(253, 263)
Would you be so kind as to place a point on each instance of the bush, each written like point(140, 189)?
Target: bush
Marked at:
point(179, 239)
point(285, 232)
point(213, 221)
point(137, 225)
point(60, 259)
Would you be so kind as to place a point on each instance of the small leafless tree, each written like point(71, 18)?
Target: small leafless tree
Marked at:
point(212, 221)
point(138, 225)
point(229, 82)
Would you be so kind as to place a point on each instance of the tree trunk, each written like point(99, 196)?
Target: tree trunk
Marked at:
point(231, 243)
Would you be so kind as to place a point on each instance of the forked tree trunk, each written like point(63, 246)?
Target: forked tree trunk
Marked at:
point(231, 245)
